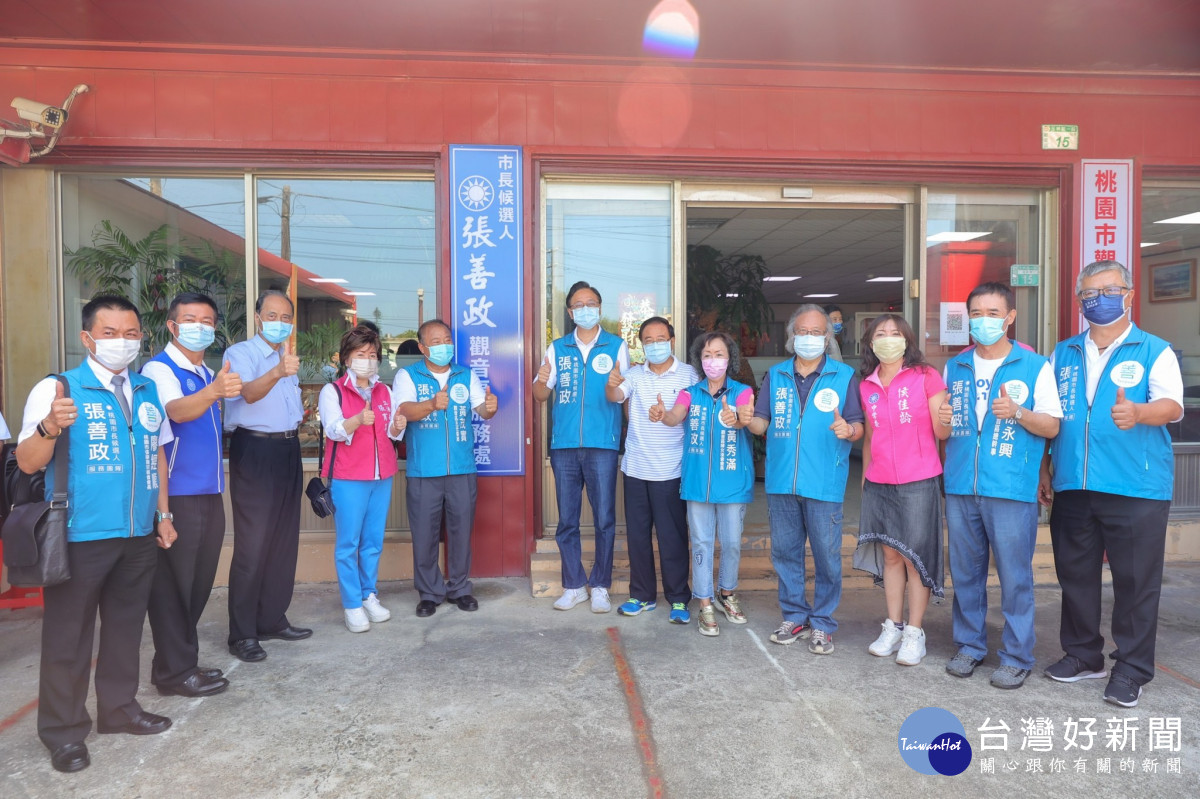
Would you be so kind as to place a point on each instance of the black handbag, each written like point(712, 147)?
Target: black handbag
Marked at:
point(35, 532)
point(318, 493)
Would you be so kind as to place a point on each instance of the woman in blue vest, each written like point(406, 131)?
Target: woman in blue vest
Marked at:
point(359, 426)
point(718, 471)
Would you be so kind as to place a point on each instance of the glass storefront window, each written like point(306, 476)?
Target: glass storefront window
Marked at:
point(617, 237)
point(358, 250)
point(1166, 286)
point(148, 239)
point(975, 236)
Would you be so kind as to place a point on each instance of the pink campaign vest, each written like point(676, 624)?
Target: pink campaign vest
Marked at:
point(356, 460)
point(903, 446)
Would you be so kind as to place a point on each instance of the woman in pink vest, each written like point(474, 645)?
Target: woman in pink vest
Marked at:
point(900, 530)
point(360, 460)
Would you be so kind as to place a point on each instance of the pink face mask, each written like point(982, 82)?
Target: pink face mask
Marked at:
point(715, 367)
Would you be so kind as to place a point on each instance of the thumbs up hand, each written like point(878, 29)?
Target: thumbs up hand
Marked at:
point(289, 362)
point(1003, 406)
point(62, 411)
point(1125, 412)
point(366, 417)
point(399, 422)
point(946, 414)
point(840, 427)
point(490, 403)
point(441, 400)
point(744, 414)
point(226, 384)
point(543, 375)
point(658, 410)
point(614, 377)
point(728, 417)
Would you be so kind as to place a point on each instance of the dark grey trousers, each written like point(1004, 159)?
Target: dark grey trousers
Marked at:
point(430, 499)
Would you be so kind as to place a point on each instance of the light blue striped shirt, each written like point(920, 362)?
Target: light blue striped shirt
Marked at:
point(654, 451)
point(280, 410)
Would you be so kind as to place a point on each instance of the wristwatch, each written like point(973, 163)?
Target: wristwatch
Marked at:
point(159, 516)
point(1017, 415)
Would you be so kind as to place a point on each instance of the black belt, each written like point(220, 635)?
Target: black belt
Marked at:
point(261, 434)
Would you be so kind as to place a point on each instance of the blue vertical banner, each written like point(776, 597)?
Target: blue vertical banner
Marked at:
point(486, 223)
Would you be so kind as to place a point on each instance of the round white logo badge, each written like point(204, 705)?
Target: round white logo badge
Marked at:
point(191, 384)
point(149, 416)
point(1127, 373)
point(826, 400)
point(459, 393)
point(476, 193)
point(1017, 391)
point(602, 363)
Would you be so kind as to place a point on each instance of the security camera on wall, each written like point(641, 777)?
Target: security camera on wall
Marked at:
point(33, 111)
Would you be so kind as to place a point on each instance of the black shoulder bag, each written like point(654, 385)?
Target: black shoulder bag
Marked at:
point(317, 491)
point(35, 532)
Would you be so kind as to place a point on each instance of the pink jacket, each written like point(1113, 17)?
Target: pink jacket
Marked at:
point(356, 461)
point(904, 448)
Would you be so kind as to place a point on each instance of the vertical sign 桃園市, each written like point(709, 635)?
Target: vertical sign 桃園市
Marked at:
point(1106, 215)
point(486, 223)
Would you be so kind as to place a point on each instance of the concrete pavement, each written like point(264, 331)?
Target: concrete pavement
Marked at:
point(518, 700)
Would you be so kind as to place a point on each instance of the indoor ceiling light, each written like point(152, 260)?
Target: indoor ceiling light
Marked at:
point(1151, 243)
point(1187, 219)
point(884, 279)
point(820, 296)
point(360, 293)
point(953, 235)
point(329, 280)
point(776, 278)
point(733, 295)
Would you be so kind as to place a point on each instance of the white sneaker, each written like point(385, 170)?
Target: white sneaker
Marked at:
point(570, 598)
point(375, 611)
point(912, 646)
point(888, 641)
point(357, 621)
point(600, 603)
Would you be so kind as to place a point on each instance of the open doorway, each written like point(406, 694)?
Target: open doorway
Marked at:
point(750, 267)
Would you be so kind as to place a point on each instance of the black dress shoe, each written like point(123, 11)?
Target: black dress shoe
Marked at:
point(426, 608)
point(70, 757)
point(211, 674)
point(288, 633)
point(466, 602)
point(195, 685)
point(247, 649)
point(142, 724)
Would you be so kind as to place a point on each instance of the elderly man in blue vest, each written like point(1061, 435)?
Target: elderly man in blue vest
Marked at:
point(1110, 478)
point(810, 411)
point(191, 394)
point(437, 397)
point(1002, 406)
point(116, 465)
point(585, 435)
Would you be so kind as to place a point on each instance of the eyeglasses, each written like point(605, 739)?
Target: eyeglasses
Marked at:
point(1107, 291)
point(803, 332)
point(579, 305)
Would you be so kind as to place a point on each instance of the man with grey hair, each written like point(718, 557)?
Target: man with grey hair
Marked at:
point(810, 411)
point(1110, 476)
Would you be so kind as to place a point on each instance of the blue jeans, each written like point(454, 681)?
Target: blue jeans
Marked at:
point(795, 520)
point(1009, 528)
point(360, 515)
point(595, 469)
point(707, 521)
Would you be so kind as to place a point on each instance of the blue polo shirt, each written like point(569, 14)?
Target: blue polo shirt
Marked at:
point(280, 410)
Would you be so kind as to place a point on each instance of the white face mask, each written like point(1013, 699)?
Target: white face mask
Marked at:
point(364, 367)
point(116, 353)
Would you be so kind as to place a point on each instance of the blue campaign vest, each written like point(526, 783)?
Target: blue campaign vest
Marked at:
point(804, 457)
point(1090, 452)
point(113, 476)
point(582, 414)
point(442, 443)
point(1005, 460)
point(718, 466)
point(194, 464)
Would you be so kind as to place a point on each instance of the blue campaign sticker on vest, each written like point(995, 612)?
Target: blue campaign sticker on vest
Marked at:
point(602, 363)
point(874, 398)
point(1127, 374)
point(1017, 391)
point(149, 416)
point(459, 393)
point(826, 400)
point(191, 385)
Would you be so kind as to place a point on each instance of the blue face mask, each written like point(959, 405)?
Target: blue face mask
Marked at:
point(809, 347)
point(586, 317)
point(1102, 311)
point(837, 328)
point(441, 354)
point(276, 332)
point(195, 336)
point(987, 330)
point(657, 351)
